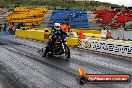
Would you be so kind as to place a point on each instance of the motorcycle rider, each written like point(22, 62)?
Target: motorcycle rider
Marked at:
point(56, 31)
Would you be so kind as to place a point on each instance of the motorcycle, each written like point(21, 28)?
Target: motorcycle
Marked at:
point(59, 47)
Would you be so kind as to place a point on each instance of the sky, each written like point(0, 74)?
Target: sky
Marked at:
point(119, 2)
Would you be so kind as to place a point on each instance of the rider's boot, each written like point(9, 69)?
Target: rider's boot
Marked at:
point(46, 51)
point(60, 52)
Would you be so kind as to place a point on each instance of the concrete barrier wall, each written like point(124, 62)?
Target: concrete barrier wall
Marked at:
point(121, 34)
point(117, 34)
point(94, 31)
point(87, 31)
point(113, 47)
point(44, 36)
point(128, 35)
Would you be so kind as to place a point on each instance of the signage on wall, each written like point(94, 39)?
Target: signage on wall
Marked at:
point(86, 44)
point(107, 47)
point(111, 47)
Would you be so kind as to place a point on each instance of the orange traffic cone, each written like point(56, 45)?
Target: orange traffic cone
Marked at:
point(108, 35)
point(81, 34)
point(80, 38)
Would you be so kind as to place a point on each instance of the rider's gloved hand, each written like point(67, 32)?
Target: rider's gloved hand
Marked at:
point(67, 35)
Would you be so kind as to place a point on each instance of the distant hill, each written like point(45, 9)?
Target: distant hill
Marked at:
point(90, 5)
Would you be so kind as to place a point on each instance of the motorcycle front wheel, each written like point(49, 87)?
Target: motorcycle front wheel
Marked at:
point(67, 51)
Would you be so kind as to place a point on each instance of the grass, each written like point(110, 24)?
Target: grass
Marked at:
point(89, 5)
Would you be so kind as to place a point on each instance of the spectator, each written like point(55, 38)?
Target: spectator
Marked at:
point(33, 24)
point(11, 28)
point(67, 27)
point(13, 23)
point(104, 32)
point(34, 16)
point(5, 26)
point(18, 26)
point(63, 26)
point(37, 23)
point(1, 27)
point(22, 25)
point(14, 29)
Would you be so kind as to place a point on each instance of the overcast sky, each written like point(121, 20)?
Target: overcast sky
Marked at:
point(119, 2)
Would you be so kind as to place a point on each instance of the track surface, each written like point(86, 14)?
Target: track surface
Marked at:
point(26, 68)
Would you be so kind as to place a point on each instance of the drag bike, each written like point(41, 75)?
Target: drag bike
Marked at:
point(59, 47)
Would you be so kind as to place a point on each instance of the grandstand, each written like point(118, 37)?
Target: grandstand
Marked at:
point(122, 18)
point(26, 15)
point(46, 18)
point(113, 18)
point(104, 16)
point(77, 18)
